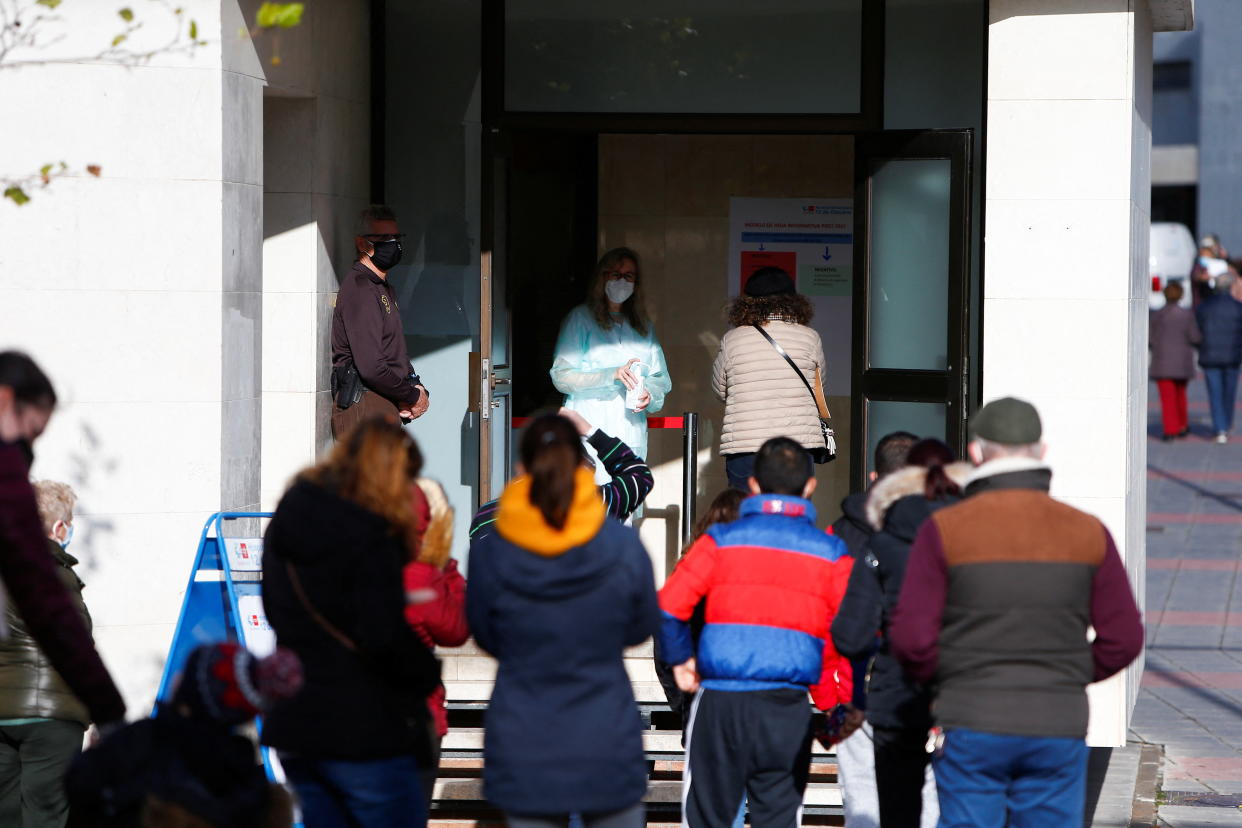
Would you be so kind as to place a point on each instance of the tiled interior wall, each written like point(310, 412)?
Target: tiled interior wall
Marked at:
point(667, 196)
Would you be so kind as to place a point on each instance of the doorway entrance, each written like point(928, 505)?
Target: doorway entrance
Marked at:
point(894, 332)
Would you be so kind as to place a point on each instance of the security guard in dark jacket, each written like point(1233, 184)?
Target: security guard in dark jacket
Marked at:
point(371, 374)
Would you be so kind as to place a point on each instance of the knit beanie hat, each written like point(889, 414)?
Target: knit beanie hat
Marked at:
point(1008, 421)
point(224, 682)
point(769, 281)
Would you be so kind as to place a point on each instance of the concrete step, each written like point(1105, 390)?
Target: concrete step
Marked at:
point(476, 668)
point(645, 692)
point(470, 767)
point(818, 794)
point(654, 741)
point(644, 650)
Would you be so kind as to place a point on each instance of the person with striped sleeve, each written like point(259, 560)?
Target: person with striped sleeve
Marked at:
point(630, 478)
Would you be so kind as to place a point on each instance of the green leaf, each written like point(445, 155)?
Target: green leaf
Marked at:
point(127, 15)
point(291, 15)
point(118, 40)
point(283, 15)
point(17, 193)
point(266, 18)
point(51, 4)
point(193, 30)
point(45, 169)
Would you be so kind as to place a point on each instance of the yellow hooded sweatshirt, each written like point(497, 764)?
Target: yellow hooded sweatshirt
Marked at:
point(521, 523)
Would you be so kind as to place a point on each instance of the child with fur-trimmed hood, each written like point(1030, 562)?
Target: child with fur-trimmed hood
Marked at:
point(898, 709)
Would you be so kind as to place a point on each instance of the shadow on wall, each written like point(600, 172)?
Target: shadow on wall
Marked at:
point(91, 467)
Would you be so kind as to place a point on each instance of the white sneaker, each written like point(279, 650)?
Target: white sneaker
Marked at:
point(1222, 437)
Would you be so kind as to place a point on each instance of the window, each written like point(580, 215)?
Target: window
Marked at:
point(1172, 74)
point(683, 56)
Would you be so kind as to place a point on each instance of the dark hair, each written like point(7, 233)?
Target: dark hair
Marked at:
point(892, 450)
point(755, 310)
point(30, 385)
point(1173, 292)
point(934, 455)
point(782, 466)
point(633, 309)
point(373, 467)
point(371, 214)
point(724, 509)
point(552, 452)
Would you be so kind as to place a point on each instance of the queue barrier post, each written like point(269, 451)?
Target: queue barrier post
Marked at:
point(689, 473)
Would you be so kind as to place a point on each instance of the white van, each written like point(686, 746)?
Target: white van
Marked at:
point(1173, 251)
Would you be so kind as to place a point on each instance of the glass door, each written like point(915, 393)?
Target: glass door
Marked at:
point(911, 288)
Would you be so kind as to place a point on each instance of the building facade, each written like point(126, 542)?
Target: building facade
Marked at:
point(1196, 174)
point(182, 300)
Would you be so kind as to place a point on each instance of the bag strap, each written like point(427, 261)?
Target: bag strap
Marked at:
point(788, 359)
point(327, 626)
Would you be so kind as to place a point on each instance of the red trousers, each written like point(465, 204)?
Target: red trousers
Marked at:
point(1173, 407)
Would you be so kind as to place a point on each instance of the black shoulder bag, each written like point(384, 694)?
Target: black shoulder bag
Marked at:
point(829, 451)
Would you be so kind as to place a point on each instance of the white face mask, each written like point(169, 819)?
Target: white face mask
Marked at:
point(64, 543)
point(618, 290)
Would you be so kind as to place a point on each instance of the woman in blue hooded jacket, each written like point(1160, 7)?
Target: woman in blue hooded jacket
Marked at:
point(556, 594)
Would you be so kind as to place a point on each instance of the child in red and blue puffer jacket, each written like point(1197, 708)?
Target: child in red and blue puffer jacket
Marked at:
point(773, 582)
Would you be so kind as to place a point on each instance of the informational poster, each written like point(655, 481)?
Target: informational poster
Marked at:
point(811, 239)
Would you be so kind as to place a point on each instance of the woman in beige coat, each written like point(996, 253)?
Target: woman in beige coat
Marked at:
point(763, 396)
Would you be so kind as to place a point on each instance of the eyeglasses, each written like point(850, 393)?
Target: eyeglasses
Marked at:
point(383, 237)
point(620, 274)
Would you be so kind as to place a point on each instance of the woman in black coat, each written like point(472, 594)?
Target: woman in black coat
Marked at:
point(556, 594)
point(354, 739)
point(898, 710)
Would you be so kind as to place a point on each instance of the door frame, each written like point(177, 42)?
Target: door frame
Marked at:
point(497, 121)
point(952, 385)
point(870, 114)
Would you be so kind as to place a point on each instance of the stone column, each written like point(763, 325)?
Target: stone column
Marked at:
point(316, 139)
point(1065, 260)
point(138, 292)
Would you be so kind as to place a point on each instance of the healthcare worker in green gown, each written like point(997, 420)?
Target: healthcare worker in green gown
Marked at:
point(607, 347)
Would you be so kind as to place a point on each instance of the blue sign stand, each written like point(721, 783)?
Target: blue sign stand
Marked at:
point(223, 602)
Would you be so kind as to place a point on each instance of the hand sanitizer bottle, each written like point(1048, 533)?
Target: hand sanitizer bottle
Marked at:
point(634, 396)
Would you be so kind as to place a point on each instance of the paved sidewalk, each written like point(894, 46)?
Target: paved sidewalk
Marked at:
point(1191, 696)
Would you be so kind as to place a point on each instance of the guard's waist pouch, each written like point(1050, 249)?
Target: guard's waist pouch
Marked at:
point(347, 386)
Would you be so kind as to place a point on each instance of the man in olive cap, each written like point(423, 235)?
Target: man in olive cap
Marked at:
point(994, 609)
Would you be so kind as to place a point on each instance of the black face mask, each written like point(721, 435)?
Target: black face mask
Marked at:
point(386, 254)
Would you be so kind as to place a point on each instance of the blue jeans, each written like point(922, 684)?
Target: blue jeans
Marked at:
point(1035, 782)
point(381, 793)
point(1222, 388)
